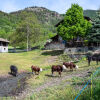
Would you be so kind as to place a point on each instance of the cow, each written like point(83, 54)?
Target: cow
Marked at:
point(57, 68)
point(93, 58)
point(14, 70)
point(36, 69)
point(70, 65)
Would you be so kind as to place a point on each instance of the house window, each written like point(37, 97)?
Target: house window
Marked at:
point(0, 44)
point(4, 44)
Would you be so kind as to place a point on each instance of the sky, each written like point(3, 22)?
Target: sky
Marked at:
point(59, 6)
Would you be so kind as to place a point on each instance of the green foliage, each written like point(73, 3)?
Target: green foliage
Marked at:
point(64, 58)
point(74, 24)
point(46, 18)
point(94, 35)
point(29, 28)
point(7, 25)
point(86, 95)
point(90, 13)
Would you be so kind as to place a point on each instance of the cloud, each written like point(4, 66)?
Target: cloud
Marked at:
point(8, 6)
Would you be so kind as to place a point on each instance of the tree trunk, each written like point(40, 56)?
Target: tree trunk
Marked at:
point(14, 49)
point(27, 38)
point(27, 42)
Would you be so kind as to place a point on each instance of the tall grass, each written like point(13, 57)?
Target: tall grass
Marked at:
point(55, 93)
point(94, 92)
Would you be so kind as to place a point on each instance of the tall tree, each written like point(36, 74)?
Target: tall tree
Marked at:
point(94, 35)
point(74, 24)
point(27, 32)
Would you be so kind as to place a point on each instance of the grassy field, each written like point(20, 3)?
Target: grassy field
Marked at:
point(46, 87)
point(24, 60)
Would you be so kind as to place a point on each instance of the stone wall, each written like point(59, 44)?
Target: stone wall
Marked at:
point(80, 49)
point(55, 46)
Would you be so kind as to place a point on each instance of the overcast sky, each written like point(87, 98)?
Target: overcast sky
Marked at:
point(60, 6)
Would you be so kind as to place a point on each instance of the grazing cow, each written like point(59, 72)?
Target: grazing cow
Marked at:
point(14, 70)
point(70, 65)
point(36, 69)
point(57, 68)
point(92, 58)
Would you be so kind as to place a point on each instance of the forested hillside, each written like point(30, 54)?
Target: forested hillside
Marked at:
point(7, 24)
point(45, 18)
point(90, 13)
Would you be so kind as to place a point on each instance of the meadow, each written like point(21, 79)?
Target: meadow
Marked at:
point(44, 86)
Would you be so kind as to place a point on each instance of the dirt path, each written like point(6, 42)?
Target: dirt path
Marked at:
point(53, 82)
point(17, 86)
point(10, 85)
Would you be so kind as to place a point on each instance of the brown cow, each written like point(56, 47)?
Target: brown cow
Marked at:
point(36, 69)
point(70, 65)
point(57, 68)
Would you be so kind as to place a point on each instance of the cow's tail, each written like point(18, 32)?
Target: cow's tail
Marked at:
point(41, 69)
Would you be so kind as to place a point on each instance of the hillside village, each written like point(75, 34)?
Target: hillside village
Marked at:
point(45, 55)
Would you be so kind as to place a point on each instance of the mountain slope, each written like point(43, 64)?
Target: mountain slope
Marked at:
point(47, 18)
point(90, 13)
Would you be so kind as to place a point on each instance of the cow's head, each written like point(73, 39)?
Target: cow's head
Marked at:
point(64, 67)
point(41, 69)
point(16, 74)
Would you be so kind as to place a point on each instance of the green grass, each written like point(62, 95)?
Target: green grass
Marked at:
point(55, 93)
point(95, 94)
point(40, 58)
point(23, 60)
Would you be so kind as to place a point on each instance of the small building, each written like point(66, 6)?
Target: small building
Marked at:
point(3, 45)
point(57, 43)
point(78, 41)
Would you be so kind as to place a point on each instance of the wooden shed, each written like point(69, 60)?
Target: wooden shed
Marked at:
point(3, 45)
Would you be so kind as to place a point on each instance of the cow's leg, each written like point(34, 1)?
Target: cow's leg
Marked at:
point(70, 68)
point(97, 61)
point(15, 73)
point(11, 71)
point(38, 73)
point(35, 72)
point(52, 72)
point(59, 73)
point(89, 61)
point(32, 71)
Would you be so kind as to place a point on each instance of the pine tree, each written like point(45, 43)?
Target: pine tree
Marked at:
point(94, 35)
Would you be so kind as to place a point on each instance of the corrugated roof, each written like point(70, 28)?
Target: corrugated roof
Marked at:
point(4, 40)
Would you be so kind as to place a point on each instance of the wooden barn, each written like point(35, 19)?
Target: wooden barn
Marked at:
point(3, 45)
point(56, 43)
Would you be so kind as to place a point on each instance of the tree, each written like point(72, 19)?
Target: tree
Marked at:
point(74, 24)
point(94, 35)
point(27, 32)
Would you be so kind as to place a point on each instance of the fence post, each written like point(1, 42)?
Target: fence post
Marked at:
point(91, 86)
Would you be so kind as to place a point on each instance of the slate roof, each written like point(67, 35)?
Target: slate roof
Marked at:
point(4, 40)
